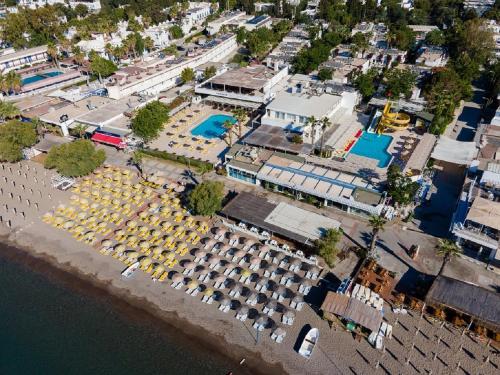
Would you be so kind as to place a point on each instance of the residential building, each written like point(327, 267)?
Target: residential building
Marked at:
point(476, 222)
point(343, 67)
point(263, 7)
point(432, 57)
point(285, 52)
point(494, 27)
point(421, 31)
point(227, 19)
point(480, 6)
point(159, 34)
point(153, 76)
point(311, 8)
point(92, 5)
point(258, 22)
point(252, 85)
point(407, 4)
point(11, 59)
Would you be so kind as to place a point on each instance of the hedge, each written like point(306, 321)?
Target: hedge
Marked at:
point(195, 163)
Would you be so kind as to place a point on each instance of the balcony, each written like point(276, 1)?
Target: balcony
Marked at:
point(475, 235)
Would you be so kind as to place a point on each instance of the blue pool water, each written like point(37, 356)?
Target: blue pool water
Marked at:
point(212, 127)
point(374, 146)
point(39, 77)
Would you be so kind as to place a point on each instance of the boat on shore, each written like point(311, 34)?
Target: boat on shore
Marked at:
point(307, 346)
point(127, 272)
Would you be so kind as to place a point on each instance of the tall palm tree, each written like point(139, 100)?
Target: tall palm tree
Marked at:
point(325, 124)
point(229, 134)
point(377, 224)
point(448, 250)
point(149, 44)
point(13, 81)
point(312, 122)
point(80, 130)
point(240, 115)
point(53, 53)
point(8, 110)
point(108, 48)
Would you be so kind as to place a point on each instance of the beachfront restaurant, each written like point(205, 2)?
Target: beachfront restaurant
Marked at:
point(290, 223)
point(466, 305)
point(291, 175)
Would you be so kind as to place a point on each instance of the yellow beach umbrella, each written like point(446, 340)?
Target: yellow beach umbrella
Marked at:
point(91, 219)
point(69, 224)
point(131, 239)
point(146, 261)
point(115, 216)
point(156, 233)
point(59, 220)
point(81, 215)
point(131, 224)
point(120, 248)
point(245, 273)
point(153, 205)
point(193, 284)
point(159, 268)
point(208, 292)
point(137, 186)
point(106, 243)
point(144, 244)
point(102, 224)
point(143, 229)
point(157, 250)
point(148, 190)
point(79, 229)
point(90, 234)
point(164, 196)
point(94, 205)
point(132, 254)
point(74, 198)
point(120, 232)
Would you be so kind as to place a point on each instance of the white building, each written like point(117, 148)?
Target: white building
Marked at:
point(291, 110)
point(159, 34)
point(92, 5)
point(263, 7)
point(227, 19)
point(480, 6)
point(11, 59)
point(421, 31)
point(407, 4)
point(250, 86)
point(434, 57)
point(152, 77)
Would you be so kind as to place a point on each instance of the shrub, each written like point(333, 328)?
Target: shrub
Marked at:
point(78, 158)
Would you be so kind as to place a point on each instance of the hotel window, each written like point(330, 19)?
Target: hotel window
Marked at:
point(302, 119)
point(242, 175)
point(289, 116)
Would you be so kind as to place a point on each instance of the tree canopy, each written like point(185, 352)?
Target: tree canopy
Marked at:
point(14, 136)
point(176, 32)
point(206, 198)
point(149, 120)
point(102, 67)
point(399, 82)
point(325, 74)
point(365, 83)
point(327, 245)
point(400, 187)
point(187, 75)
point(78, 158)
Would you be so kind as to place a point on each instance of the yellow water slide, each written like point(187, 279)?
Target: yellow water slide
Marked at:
point(394, 121)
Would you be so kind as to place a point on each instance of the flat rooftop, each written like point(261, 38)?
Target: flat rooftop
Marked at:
point(304, 104)
point(111, 111)
point(275, 137)
point(75, 110)
point(485, 212)
point(250, 77)
point(285, 220)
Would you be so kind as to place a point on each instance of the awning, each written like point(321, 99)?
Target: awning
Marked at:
point(109, 140)
point(490, 178)
point(233, 102)
point(453, 151)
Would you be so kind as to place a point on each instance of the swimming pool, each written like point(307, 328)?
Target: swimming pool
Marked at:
point(374, 146)
point(39, 77)
point(212, 127)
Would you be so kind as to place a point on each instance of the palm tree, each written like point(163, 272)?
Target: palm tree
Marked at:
point(448, 250)
point(13, 81)
point(53, 53)
point(149, 44)
point(8, 110)
point(229, 126)
point(377, 224)
point(137, 160)
point(108, 48)
point(240, 115)
point(312, 122)
point(325, 124)
point(80, 130)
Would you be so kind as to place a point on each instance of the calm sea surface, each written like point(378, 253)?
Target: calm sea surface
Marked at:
point(54, 325)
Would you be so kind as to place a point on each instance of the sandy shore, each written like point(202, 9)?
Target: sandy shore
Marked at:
point(414, 348)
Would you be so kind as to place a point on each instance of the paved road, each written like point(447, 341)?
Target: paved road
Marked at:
point(466, 123)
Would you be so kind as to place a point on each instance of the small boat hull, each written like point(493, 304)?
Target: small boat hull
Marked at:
point(309, 343)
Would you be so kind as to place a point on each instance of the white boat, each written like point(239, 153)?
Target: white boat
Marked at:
point(127, 272)
point(309, 343)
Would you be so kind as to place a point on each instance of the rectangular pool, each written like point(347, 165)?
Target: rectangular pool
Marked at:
point(374, 146)
point(212, 127)
point(39, 77)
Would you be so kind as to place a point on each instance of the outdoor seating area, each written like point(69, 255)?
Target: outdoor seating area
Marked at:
point(177, 138)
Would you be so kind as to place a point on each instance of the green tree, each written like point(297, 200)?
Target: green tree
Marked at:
point(209, 72)
point(400, 187)
point(139, 44)
point(448, 250)
point(240, 115)
point(176, 32)
point(360, 41)
point(325, 74)
point(53, 53)
point(81, 10)
point(14, 136)
point(435, 38)
point(150, 120)
point(399, 82)
point(78, 158)
point(229, 125)
point(206, 198)
point(102, 67)
point(401, 37)
point(187, 75)
point(377, 223)
point(327, 245)
point(365, 83)
point(8, 110)
point(137, 160)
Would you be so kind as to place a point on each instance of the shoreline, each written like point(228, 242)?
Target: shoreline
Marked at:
point(136, 309)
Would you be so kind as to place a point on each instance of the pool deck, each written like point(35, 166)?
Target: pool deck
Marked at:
point(176, 138)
